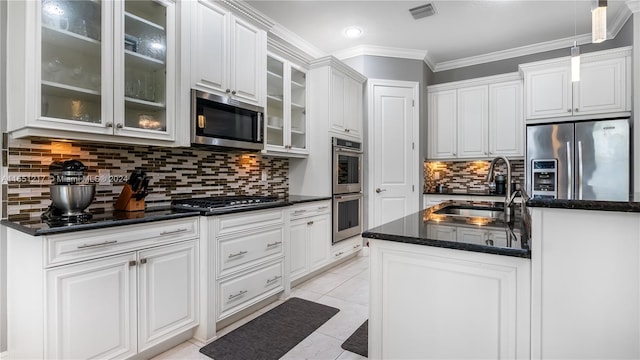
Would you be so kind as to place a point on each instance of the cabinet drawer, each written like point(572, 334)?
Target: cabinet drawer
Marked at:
point(345, 248)
point(239, 292)
point(249, 220)
point(239, 252)
point(84, 245)
point(310, 209)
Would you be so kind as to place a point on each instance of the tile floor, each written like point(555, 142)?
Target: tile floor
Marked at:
point(345, 287)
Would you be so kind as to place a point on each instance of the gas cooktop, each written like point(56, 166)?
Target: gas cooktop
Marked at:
point(225, 203)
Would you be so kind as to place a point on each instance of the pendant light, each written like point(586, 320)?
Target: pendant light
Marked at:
point(575, 51)
point(599, 22)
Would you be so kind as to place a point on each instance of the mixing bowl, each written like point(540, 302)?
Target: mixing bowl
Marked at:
point(72, 199)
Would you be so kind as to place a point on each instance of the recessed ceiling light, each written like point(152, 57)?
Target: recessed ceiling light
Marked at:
point(352, 32)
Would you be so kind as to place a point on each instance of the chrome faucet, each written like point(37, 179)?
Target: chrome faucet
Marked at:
point(508, 196)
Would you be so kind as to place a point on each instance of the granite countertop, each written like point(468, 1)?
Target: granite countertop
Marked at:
point(633, 205)
point(463, 193)
point(36, 226)
point(430, 229)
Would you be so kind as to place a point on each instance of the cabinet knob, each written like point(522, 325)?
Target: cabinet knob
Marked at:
point(233, 92)
point(228, 91)
point(119, 126)
point(109, 124)
point(576, 110)
point(143, 261)
point(454, 154)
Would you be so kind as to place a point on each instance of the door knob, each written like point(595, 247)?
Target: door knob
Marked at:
point(378, 190)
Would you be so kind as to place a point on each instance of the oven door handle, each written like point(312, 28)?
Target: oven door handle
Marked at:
point(348, 196)
point(343, 149)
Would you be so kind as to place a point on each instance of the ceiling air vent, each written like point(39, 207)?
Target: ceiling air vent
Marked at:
point(422, 11)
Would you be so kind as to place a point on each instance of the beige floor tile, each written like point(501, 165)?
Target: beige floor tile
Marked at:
point(346, 321)
point(354, 290)
point(324, 282)
point(184, 351)
point(351, 267)
point(348, 355)
point(305, 294)
point(317, 347)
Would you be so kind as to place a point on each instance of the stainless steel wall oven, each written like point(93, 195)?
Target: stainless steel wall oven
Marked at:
point(347, 189)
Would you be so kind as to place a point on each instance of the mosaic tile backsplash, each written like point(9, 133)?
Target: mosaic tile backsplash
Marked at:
point(176, 173)
point(467, 175)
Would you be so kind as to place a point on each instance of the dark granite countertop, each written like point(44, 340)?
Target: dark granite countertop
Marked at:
point(462, 193)
point(36, 226)
point(430, 229)
point(298, 199)
point(633, 205)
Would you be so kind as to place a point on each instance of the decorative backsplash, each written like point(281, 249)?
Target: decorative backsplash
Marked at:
point(176, 173)
point(467, 175)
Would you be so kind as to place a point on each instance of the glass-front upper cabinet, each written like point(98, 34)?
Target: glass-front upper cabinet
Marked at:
point(102, 67)
point(286, 126)
point(71, 61)
point(145, 65)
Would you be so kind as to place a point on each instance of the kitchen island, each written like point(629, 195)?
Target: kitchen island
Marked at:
point(449, 287)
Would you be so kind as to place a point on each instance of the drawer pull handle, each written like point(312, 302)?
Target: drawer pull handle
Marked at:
point(356, 246)
point(299, 212)
point(275, 278)
point(340, 253)
point(231, 256)
point(322, 207)
point(242, 292)
point(83, 246)
point(173, 232)
point(274, 244)
point(310, 223)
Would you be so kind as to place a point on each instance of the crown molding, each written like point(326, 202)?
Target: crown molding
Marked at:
point(375, 50)
point(616, 25)
point(296, 41)
point(239, 6)
point(431, 63)
point(335, 63)
point(279, 45)
point(633, 5)
point(512, 53)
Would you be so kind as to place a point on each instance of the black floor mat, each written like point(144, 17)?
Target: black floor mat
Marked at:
point(272, 334)
point(358, 342)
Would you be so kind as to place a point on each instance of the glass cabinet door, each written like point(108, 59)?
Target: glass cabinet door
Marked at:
point(145, 65)
point(71, 60)
point(275, 102)
point(298, 109)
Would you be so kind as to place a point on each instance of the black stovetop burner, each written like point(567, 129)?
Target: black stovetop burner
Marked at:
point(223, 203)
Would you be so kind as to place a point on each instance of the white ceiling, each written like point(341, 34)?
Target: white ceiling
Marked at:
point(461, 29)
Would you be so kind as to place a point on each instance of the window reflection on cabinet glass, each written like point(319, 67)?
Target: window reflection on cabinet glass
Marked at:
point(145, 65)
point(71, 60)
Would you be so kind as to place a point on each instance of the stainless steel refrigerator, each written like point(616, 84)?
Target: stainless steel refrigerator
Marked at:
point(586, 160)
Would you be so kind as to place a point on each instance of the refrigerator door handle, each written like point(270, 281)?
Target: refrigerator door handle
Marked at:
point(580, 170)
point(569, 182)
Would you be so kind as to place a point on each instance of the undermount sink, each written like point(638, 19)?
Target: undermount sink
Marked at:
point(471, 211)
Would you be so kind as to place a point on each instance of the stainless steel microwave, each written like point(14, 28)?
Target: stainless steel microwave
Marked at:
point(225, 123)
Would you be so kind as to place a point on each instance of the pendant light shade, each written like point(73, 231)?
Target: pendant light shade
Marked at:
point(599, 22)
point(575, 62)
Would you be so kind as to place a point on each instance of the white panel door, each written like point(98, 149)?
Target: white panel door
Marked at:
point(472, 122)
point(247, 61)
point(601, 87)
point(167, 292)
point(210, 48)
point(442, 124)
point(506, 119)
point(548, 92)
point(92, 309)
point(394, 155)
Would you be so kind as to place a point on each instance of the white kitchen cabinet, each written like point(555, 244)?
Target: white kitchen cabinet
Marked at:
point(286, 130)
point(227, 53)
point(476, 119)
point(604, 85)
point(463, 297)
point(442, 232)
point(92, 309)
point(344, 248)
point(337, 97)
point(99, 70)
point(473, 104)
point(249, 259)
point(506, 119)
point(103, 298)
point(310, 237)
